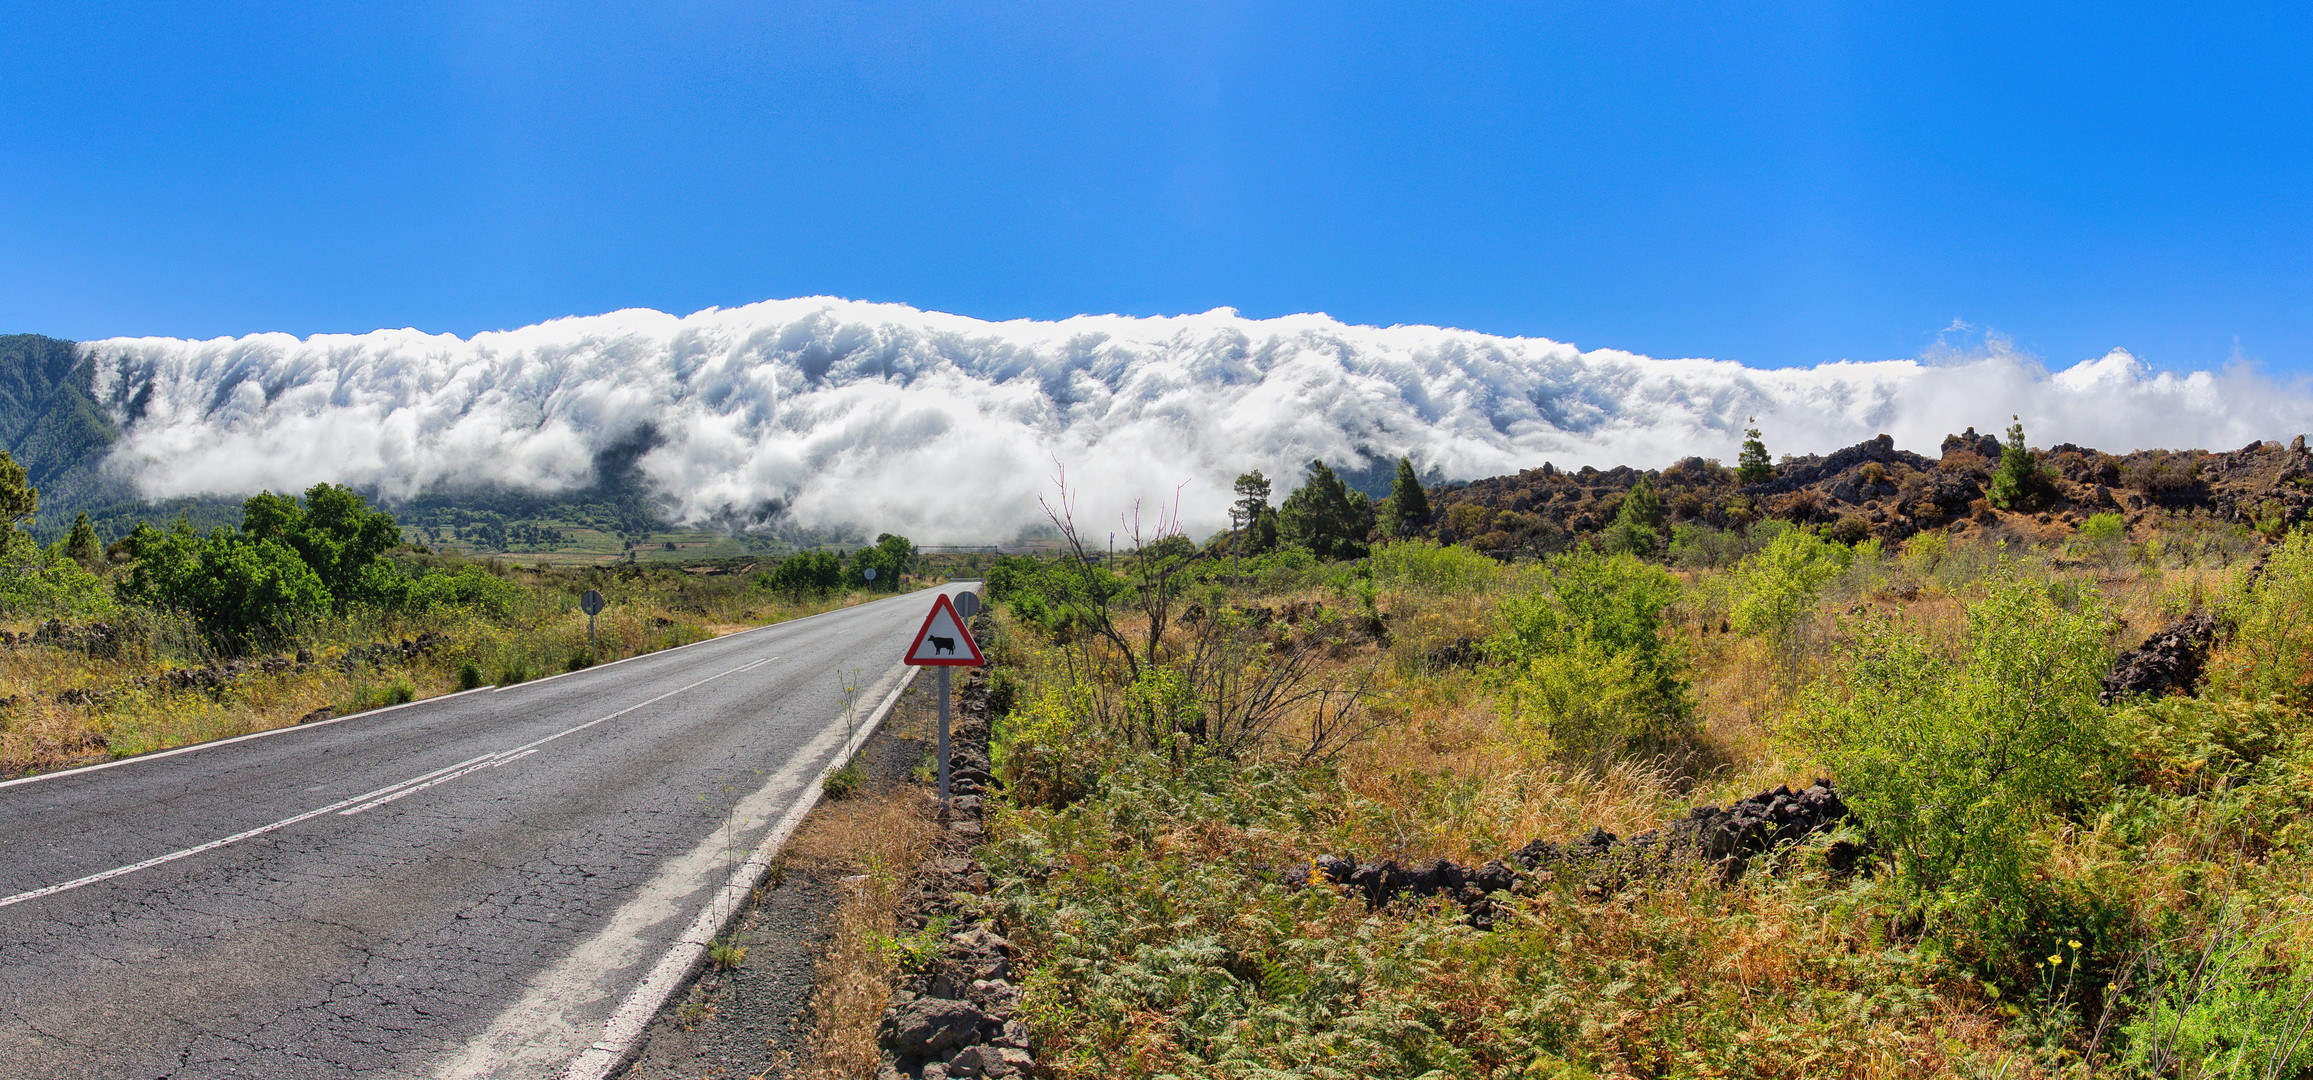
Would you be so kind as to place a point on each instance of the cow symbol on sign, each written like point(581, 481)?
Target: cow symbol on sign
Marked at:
point(944, 640)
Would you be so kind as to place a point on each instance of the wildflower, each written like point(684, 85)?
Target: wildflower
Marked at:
point(2075, 944)
point(2055, 959)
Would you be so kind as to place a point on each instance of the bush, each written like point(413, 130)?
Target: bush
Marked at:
point(1780, 584)
point(514, 674)
point(469, 587)
point(469, 675)
point(804, 575)
point(1439, 569)
point(36, 582)
point(2270, 654)
point(1587, 672)
point(2236, 1006)
point(242, 591)
point(843, 783)
point(400, 692)
point(1953, 764)
point(1046, 750)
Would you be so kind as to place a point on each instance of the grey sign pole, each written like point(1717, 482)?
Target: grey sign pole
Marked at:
point(943, 738)
point(591, 603)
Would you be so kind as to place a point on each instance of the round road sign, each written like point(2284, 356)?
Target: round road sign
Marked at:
point(967, 604)
point(591, 603)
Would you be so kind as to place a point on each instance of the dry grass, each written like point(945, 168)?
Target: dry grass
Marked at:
point(60, 708)
point(875, 842)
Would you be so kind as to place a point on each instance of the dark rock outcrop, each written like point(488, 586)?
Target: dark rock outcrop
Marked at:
point(1724, 838)
point(2169, 662)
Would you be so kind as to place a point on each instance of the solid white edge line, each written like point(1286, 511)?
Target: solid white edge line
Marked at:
point(623, 1033)
point(213, 743)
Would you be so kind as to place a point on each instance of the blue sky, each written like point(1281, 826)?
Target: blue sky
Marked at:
point(1774, 183)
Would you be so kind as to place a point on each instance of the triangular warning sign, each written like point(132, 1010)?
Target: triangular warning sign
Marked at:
point(943, 641)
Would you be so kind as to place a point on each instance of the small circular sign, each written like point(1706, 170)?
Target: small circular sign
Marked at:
point(868, 573)
point(967, 604)
point(591, 603)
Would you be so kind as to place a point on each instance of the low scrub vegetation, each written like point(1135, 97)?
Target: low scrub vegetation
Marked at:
point(2038, 874)
point(313, 607)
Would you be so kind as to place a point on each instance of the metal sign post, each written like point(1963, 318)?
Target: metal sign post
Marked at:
point(943, 642)
point(591, 603)
point(943, 737)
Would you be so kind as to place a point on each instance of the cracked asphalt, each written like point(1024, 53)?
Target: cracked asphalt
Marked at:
point(489, 876)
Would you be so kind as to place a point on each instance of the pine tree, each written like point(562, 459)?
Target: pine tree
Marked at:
point(2017, 482)
point(1408, 506)
point(1326, 517)
point(1638, 523)
point(18, 498)
point(1753, 466)
point(1245, 515)
point(82, 546)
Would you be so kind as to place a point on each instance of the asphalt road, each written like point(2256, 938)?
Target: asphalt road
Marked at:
point(467, 886)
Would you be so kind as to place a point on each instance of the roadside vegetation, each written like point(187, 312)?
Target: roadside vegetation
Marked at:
point(2036, 876)
point(314, 606)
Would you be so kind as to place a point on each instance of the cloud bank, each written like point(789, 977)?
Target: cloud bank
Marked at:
point(829, 413)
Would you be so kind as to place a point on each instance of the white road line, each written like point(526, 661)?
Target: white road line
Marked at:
point(559, 1026)
point(214, 743)
point(366, 800)
point(622, 1034)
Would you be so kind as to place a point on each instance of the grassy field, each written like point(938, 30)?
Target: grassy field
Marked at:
point(2055, 886)
point(148, 680)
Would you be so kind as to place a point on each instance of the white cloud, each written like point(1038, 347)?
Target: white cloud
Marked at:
point(948, 428)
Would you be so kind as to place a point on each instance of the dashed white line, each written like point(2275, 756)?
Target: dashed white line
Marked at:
point(369, 799)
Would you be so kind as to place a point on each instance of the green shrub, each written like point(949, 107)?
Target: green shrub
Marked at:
point(2103, 529)
point(469, 675)
point(1431, 567)
point(1047, 749)
point(1953, 764)
point(843, 783)
point(1587, 673)
point(2270, 654)
point(579, 660)
point(2239, 1005)
point(37, 582)
point(805, 575)
point(1781, 583)
point(513, 674)
point(242, 591)
point(1637, 524)
point(467, 587)
point(400, 692)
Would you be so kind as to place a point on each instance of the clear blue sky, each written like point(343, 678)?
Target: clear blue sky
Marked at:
point(1779, 183)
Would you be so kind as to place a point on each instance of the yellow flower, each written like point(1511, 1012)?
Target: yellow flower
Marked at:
point(2054, 959)
point(2075, 943)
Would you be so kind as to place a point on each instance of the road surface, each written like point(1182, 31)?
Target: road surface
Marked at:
point(463, 887)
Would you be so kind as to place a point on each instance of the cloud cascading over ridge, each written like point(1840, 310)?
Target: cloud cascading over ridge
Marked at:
point(949, 429)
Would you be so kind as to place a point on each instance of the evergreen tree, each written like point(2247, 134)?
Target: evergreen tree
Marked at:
point(1326, 517)
point(1408, 506)
point(1753, 466)
point(18, 498)
point(1638, 523)
point(82, 546)
point(1248, 512)
point(2018, 482)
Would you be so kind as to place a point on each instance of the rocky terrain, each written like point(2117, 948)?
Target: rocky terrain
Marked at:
point(1874, 489)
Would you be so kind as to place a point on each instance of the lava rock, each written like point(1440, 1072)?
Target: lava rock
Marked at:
point(929, 1027)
